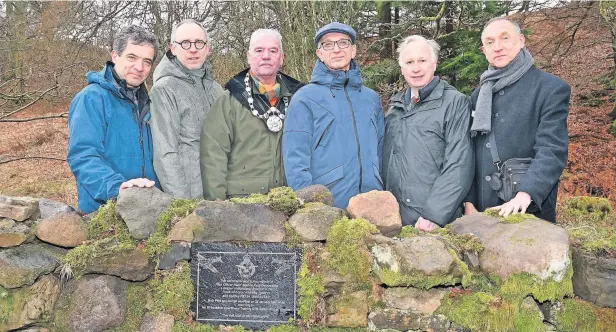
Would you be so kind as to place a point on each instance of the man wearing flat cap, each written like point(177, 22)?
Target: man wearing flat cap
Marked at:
point(333, 134)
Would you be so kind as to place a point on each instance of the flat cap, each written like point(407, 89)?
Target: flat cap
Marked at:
point(335, 27)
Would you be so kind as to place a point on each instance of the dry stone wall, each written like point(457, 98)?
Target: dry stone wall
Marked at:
point(125, 267)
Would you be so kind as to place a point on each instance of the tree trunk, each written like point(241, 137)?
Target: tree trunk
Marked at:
point(384, 16)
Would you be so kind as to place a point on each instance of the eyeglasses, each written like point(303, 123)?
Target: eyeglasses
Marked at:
point(329, 45)
point(186, 44)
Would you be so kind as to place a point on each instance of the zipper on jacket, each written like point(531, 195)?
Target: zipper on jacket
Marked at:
point(346, 93)
point(142, 148)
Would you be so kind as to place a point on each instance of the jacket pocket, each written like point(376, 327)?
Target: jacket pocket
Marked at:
point(321, 141)
point(248, 185)
point(330, 176)
point(377, 174)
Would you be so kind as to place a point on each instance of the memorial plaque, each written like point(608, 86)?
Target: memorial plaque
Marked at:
point(252, 285)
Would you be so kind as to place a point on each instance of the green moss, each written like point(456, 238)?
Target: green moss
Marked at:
point(172, 291)
point(576, 316)
point(485, 312)
point(461, 242)
point(596, 208)
point(510, 219)
point(612, 127)
point(518, 286)
point(284, 328)
point(106, 222)
point(606, 318)
point(193, 327)
point(281, 199)
point(7, 304)
point(418, 280)
point(308, 207)
point(239, 328)
point(408, 232)
point(135, 308)
point(78, 259)
point(291, 237)
point(311, 287)
point(158, 242)
point(347, 253)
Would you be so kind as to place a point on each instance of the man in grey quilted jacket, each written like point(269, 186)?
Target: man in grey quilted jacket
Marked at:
point(183, 92)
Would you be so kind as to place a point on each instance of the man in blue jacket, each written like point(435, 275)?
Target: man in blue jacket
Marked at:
point(333, 134)
point(110, 145)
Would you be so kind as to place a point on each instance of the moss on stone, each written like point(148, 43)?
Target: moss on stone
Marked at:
point(311, 287)
point(172, 291)
point(576, 316)
point(418, 280)
point(510, 219)
point(79, 258)
point(107, 222)
point(193, 327)
point(135, 308)
point(481, 311)
point(291, 237)
point(408, 232)
point(158, 243)
point(347, 253)
point(595, 208)
point(520, 285)
point(7, 305)
point(594, 237)
point(281, 199)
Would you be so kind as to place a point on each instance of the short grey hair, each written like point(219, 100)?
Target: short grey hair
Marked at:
point(135, 35)
point(264, 32)
point(434, 47)
point(188, 21)
point(496, 19)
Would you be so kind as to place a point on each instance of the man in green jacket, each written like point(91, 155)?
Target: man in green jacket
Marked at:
point(183, 92)
point(241, 135)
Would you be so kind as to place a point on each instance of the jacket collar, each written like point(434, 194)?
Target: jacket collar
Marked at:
point(433, 91)
point(237, 89)
point(336, 78)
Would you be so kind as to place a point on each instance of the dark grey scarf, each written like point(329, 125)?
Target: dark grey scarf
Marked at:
point(494, 80)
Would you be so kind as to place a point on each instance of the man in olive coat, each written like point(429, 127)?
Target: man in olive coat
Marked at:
point(241, 135)
point(526, 110)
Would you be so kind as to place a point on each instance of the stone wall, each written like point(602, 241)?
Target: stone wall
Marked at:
point(125, 267)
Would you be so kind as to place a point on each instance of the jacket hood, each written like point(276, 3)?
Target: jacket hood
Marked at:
point(170, 66)
point(104, 78)
point(336, 78)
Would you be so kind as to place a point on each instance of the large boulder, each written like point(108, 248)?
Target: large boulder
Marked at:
point(18, 208)
point(532, 246)
point(420, 261)
point(13, 233)
point(380, 208)
point(594, 278)
point(50, 208)
point(222, 221)
point(140, 208)
point(22, 265)
point(97, 303)
point(313, 221)
point(316, 193)
point(29, 305)
point(65, 229)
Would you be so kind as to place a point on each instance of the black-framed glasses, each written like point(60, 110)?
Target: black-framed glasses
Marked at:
point(199, 44)
point(342, 43)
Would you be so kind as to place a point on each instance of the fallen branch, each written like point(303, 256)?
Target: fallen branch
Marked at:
point(34, 157)
point(30, 103)
point(63, 115)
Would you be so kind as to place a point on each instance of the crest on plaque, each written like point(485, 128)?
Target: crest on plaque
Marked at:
point(246, 268)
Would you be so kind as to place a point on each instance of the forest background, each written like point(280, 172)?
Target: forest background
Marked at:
point(47, 47)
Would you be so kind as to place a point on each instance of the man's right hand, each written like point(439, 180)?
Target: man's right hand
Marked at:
point(139, 182)
point(469, 208)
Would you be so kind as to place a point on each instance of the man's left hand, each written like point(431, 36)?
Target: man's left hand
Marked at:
point(425, 225)
point(518, 204)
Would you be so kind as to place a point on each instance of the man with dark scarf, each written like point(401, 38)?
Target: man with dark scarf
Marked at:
point(525, 109)
point(242, 133)
point(110, 145)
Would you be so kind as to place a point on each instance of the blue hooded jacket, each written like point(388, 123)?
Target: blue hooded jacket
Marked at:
point(333, 135)
point(110, 141)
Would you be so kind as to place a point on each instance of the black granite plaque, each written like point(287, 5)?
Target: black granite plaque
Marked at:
point(252, 285)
